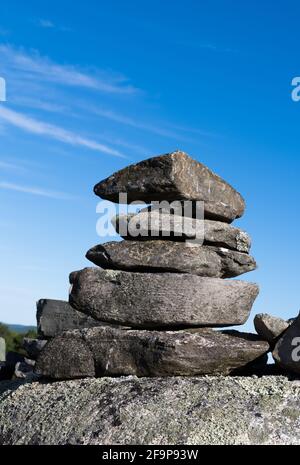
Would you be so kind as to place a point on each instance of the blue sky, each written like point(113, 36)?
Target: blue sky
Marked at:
point(95, 86)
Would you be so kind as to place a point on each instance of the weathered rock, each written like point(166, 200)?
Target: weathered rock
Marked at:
point(56, 316)
point(156, 225)
point(188, 208)
point(174, 176)
point(159, 411)
point(2, 349)
point(269, 327)
point(169, 256)
point(66, 357)
point(153, 353)
point(149, 300)
point(33, 347)
point(24, 369)
point(287, 349)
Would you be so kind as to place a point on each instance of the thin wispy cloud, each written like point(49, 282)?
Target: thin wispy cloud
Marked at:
point(209, 46)
point(57, 133)
point(46, 23)
point(39, 104)
point(33, 65)
point(8, 166)
point(35, 191)
point(172, 133)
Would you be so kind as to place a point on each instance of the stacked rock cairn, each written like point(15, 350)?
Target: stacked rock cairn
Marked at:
point(149, 306)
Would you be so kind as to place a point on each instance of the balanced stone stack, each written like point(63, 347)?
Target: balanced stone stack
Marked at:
point(149, 305)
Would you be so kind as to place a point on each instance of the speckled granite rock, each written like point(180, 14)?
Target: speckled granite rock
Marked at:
point(113, 352)
point(177, 257)
point(155, 225)
point(148, 300)
point(130, 411)
point(174, 176)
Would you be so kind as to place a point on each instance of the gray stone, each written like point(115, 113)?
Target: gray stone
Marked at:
point(24, 369)
point(66, 357)
point(2, 350)
point(153, 353)
point(33, 347)
point(149, 300)
point(269, 327)
point(177, 257)
point(158, 411)
point(187, 208)
point(174, 176)
point(156, 225)
point(56, 316)
point(287, 350)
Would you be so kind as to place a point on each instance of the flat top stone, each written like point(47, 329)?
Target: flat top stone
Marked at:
point(174, 176)
point(187, 411)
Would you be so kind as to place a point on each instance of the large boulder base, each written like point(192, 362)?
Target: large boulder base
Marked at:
point(160, 300)
point(155, 225)
point(174, 176)
point(166, 256)
point(158, 411)
point(57, 316)
point(114, 352)
point(287, 350)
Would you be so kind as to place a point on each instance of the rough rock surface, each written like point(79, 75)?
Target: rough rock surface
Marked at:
point(287, 349)
point(174, 176)
point(131, 411)
point(269, 327)
point(2, 349)
point(24, 369)
point(33, 347)
point(156, 225)
point(148, 300)
point(177, 257)
point(56, 316)
point(66, 357)
point(151, 353)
